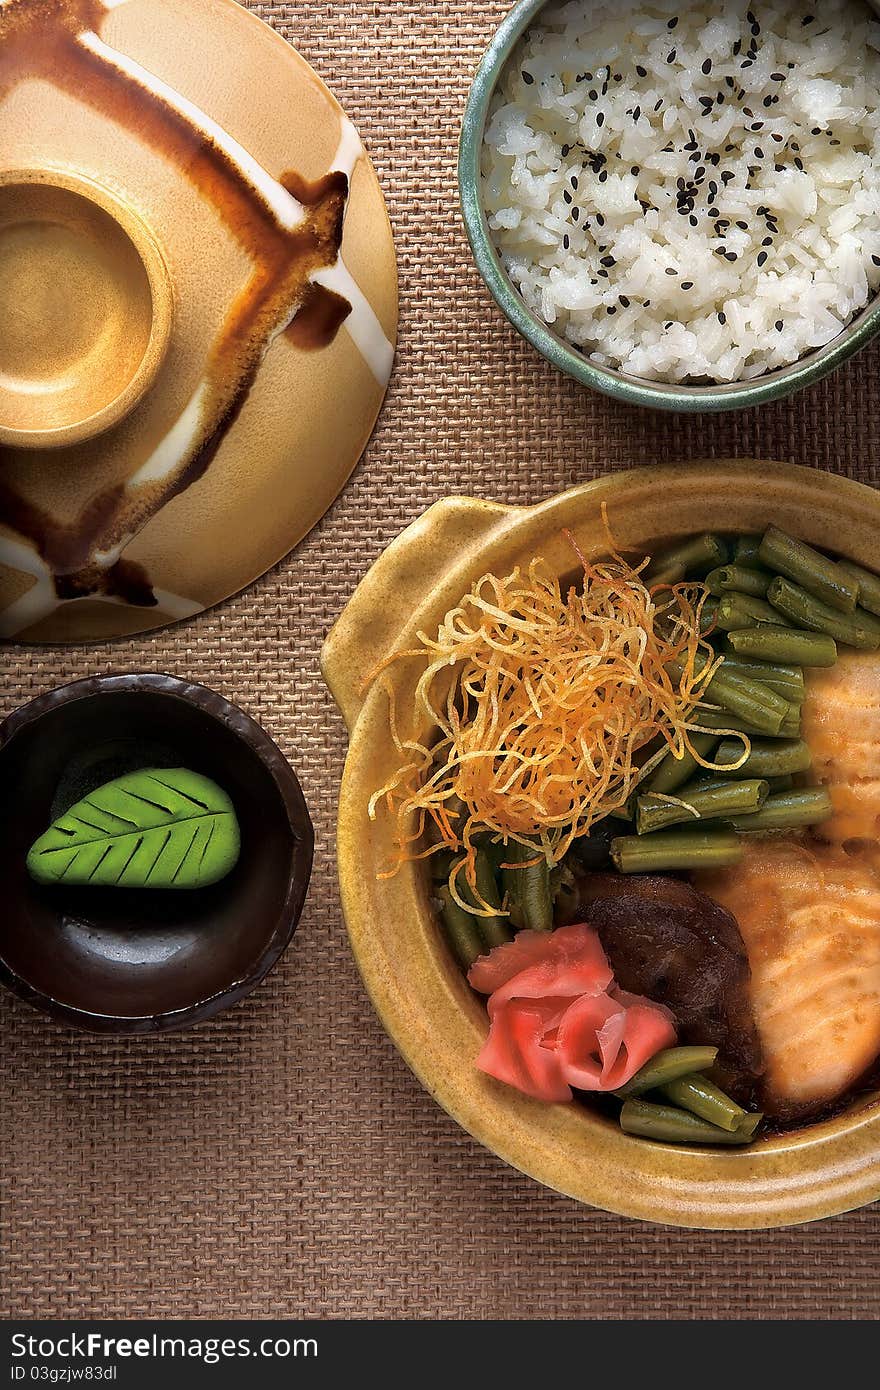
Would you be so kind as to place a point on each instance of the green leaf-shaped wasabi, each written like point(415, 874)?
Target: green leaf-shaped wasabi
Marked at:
point(156, 828)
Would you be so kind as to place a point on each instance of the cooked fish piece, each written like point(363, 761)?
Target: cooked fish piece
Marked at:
point(841, 724)
point(809, 914)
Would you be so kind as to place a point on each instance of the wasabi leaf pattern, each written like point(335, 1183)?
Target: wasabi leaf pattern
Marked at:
point(155, 828)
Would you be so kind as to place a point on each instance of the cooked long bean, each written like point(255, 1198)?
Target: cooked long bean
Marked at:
point(675, 849)
point(803, 565)
point(787, 681)
point(869, 585)
point(668, 1066)
point(695, 553)
point(708, 616)
point(739, 610)
point(495, 929)
point(526, 885)
point(789, 811)
point(858, 629)
point(752, 701)
point(767, 757)
point(745, 550)
point(669, 1125)
point(720, 801)
point(701, 1097)
point(673, 772)
point(461, 930)
point(725, 719)
point(772, 643)
point(738, 579)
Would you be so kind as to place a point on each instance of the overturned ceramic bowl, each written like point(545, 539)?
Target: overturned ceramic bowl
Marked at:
point(115, 960)
point(423, 1000)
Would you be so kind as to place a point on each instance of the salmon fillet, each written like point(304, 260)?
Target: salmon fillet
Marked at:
point(809, 914)
point(841, 724)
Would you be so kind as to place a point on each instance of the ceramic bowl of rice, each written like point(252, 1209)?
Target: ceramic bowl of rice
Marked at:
point(679, 203)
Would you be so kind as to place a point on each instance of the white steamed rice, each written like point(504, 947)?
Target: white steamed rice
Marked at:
point(683, 239)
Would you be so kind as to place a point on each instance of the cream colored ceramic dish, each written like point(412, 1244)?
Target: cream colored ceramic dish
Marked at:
point(229, 149)
point(422, 999)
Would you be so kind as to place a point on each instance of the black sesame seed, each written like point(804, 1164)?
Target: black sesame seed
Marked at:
point(876, 260)
point(693, 221)
point(527, 78)
point(658, 104)
point(624, 301)
point(731, 256)
point(603, 177)
point(670, 271)
point(808, 19)
point(768, 101)
point(779, 325)
point(673, 22)
point(593, 95)
point(722, 317)
point(737, 48)
point(612, 309)
point(799, 164)
point(743, 226)
point(687, 284)
point(768, 241)
point(567, 197)
point(635, 171)
point(643, 72)
point(670, 57)
point(777, 77)
point(600, 219)
point(575, 214)
point(608, 261)
point(566, 242)
point(762, 259)
point(707, 66)
point(637, 113)
point(816, 130)
point(707, 102)
point(600, 119)
point(759, 153)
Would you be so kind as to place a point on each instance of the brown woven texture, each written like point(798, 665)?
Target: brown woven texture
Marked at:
point(281, 1160)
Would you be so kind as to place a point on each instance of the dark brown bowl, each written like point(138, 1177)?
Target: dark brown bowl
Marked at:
point(141, 961)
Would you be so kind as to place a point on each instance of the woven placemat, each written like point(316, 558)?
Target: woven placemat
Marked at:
point(281, 1160)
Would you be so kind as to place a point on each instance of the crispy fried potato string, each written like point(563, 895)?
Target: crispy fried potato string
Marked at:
point(545, 702)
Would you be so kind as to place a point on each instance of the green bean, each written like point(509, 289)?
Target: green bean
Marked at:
point(494, 930)
point(461, 930)
point(869, 585)
point(821, 577)
point(716, 802)
point(669, 1125)
point(772, 643)
point(708, 616)
point(527, 887)
point(745, 550)
point(675, 849)
point(695, 553)
point(673, 772)
point(701, 1097)
point(668, 1065)
point(789, 811)
point(787, 681)
point(725, 720)
point(752, 701)
point(738, 579)
point(700, 784)
point(739, 610)
point(859, 629)
point(767, 757)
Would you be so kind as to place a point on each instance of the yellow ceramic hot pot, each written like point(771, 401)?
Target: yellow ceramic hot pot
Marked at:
point(423, 1000)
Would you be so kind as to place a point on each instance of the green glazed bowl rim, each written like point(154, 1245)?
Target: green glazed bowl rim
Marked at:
point(654, 395)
